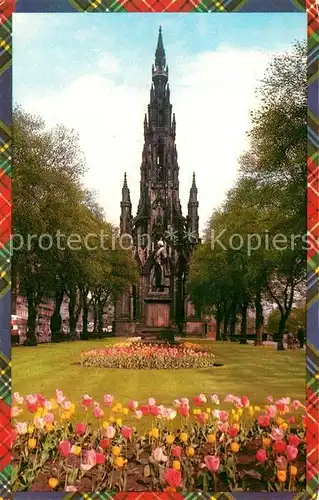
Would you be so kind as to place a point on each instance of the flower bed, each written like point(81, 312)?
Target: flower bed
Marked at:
point(188, 447)
point(142, 356)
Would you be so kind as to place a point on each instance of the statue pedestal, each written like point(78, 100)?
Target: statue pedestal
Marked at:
point(157, 308)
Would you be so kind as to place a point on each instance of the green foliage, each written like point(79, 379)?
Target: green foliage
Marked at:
point(268, 200)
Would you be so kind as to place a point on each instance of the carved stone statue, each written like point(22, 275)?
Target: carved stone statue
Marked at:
point(158, 270)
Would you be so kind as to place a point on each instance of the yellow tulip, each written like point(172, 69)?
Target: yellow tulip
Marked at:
point(53, 482)
point(236, 426)
point(257, 408)
point(235, 418)
point(170, 439)
point(279, 420)
point(250, 410)
point(119, 422)
point(119, 462)
point(105, 424)
point(116, 450)
point(208, 410)
point(32, 443)
point(266, 442)
point(176, 465)
point(293, 470)
point(190, 452)
point(211, 439)
point(54, 404)
point(66, 415)
point(49, 426)
point(154, 433)
point(282, 476)
point(284, 426)
point(112, 419)
point(234, 447)
point(240, 411)
point(76, 450)
point(125, 411)
point(183, 437)
point(30, 429)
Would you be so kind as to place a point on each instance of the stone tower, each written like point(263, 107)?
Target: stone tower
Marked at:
point(163, 238)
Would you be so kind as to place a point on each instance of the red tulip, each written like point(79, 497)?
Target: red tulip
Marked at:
point(292, 420)
point(64, 448)
point(261, 455)
point(126, 432)
point(176, 451)
point(232, 431)
point(279, 446)
point(104, 443)
point(201, 418)
point(86, 401)
point(212, 463)
point(32, 407)
point(293, 440)
point(223, 416)
point(100, 458)
point(155, 411)
point(80, 429)
point(291, 452)
point(145, 410)
point(244, 401)
point(183, 410)
point(173, 477)
point(263, 420)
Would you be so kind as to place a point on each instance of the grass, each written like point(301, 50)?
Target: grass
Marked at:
point(253, 371)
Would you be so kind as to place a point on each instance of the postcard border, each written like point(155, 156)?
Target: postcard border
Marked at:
point(7, 7)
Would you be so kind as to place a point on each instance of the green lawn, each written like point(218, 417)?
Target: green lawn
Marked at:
point(254, 371)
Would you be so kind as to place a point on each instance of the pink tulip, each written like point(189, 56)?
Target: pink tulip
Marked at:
point(89, 460)
point(151, 402)
point(276, 434)
point(261, 455)
point(212, 463)
point(138, 414)
point(296, 405)
point(110, 432)
point(281, 462)
point(64, 448)
point(270, 399)
point(185, 401)
point(133, 405)
point(49, 418)
point(291, 452)
point(159, 455)
point(80, 429)
point(201, 418)
point(214, 399)
point(223, 426)
point(223, 416)
point(272, 411)
point(98, 412)
point(173, 478)
point(293, 440)
point(108, 400)
point(145, 410)
point(126, 432)
point(176, 451)
point(291, 420)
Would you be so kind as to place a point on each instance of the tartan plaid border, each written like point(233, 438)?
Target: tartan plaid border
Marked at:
point(6, 7)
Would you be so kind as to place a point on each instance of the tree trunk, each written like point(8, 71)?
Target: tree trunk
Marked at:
point(100, 317)
point(95, 313)
point(31, 339)
point(72, 313)
point(56, 319)
point(259, 318)
point(225, 329)
point(233, 320)
point(219, 317)
point(85, 316)
point(243, 329)
point(282, 324)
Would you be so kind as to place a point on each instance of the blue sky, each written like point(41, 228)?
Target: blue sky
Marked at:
point(94, 62)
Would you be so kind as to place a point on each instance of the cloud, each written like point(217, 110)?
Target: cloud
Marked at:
point(212, 94)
